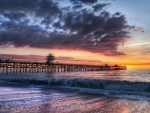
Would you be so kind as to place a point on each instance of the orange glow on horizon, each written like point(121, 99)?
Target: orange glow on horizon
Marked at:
point(79, 57)
point(142, 67)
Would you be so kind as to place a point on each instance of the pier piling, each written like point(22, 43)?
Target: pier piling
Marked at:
point(40, 67)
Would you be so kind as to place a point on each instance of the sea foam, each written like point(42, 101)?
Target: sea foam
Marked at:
point(83, 83)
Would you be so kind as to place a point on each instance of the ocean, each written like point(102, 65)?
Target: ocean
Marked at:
point(114, 91)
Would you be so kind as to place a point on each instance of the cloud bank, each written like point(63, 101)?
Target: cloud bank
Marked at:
point(67, 24)
point(35, 58)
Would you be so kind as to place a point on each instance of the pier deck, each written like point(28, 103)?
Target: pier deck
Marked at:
point(25, 66)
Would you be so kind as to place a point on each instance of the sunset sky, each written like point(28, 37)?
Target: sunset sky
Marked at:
point(77, 31)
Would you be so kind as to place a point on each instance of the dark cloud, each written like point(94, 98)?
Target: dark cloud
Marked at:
point(115, 53)
point(35, 58)
point(134, 28)
point(14, 15)
point(98, 7)
point(115, 24)
point(39, 7)
point(85, 1)
point(47, 7)
point(18, 5)
point(48, 24)
point(77, 4)
point(22, 57)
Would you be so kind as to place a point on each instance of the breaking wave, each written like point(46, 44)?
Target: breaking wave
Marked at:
point(83, 83)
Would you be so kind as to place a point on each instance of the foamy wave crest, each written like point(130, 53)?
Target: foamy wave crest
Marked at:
point(83, 83)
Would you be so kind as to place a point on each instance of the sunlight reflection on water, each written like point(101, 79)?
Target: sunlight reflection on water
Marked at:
point(128, 75)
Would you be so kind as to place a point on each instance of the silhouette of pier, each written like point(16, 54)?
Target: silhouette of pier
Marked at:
point(36, 67)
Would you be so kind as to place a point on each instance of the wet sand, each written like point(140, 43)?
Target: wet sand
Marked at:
point(15, 98)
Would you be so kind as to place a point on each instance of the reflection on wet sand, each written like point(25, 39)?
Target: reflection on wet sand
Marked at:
point(33, 99)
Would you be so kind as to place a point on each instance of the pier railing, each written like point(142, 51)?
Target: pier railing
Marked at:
point(28, 66)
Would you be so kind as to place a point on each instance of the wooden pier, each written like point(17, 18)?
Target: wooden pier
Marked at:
point(36, 67)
